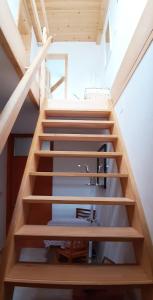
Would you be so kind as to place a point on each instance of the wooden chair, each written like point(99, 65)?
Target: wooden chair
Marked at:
point(73, 250)
point(84, 213)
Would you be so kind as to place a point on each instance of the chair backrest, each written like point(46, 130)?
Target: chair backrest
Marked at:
point(84, 213)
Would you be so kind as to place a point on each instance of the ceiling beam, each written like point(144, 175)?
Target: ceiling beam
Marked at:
point(44, 15)
point(36, 21)
point(102, 15)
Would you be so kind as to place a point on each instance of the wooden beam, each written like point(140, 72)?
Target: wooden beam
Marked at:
point(138, 46)
point(13, 46)
point(56, 56)
point(36, 21)
point(57, 84)
point(14, 104)
point(24, 20)
point(44, 15)
point(25, 28)
point(102, 15)
point(66, 75)
point(43, 74)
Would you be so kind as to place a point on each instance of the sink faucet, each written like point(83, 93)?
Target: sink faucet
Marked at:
point(85, 166)
point(92, 179)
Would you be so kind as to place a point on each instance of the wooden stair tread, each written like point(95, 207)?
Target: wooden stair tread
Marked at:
point(78, 137)
point(77, 113)
point(46, 153)
point(77, 174)
point(72, 275)
point(87, 232)
point(78, 200)
point(77, 123)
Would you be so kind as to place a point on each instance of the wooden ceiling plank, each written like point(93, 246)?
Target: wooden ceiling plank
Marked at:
point(64, 17)
point(60, 5)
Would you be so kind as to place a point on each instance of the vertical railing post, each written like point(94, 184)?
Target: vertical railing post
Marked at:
point(43, 74)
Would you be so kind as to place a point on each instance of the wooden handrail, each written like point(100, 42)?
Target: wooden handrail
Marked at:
point(15, 102)
point(135, 52)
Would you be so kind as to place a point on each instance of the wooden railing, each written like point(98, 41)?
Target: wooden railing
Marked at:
point(142, 39)
point(15, 102)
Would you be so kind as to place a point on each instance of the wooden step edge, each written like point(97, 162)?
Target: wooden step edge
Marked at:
point(77, 112)
point(46, 153)
point(78, 137)
point(78, 200)
point(77, 233)
point(77, 123)
point(81, 275)
point(77, 174)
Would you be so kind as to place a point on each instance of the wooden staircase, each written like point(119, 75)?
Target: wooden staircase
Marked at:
point(15, 273)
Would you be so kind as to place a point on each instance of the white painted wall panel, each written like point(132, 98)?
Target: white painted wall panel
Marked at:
point(135, 114)
point(123, 18)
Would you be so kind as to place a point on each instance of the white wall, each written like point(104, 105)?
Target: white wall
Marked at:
point(14, 7)
point(83, 66)
point(123, 16)
point(135, 114)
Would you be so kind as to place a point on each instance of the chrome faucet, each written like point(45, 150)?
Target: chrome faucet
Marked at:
point(85, 166)
point(92, 179)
